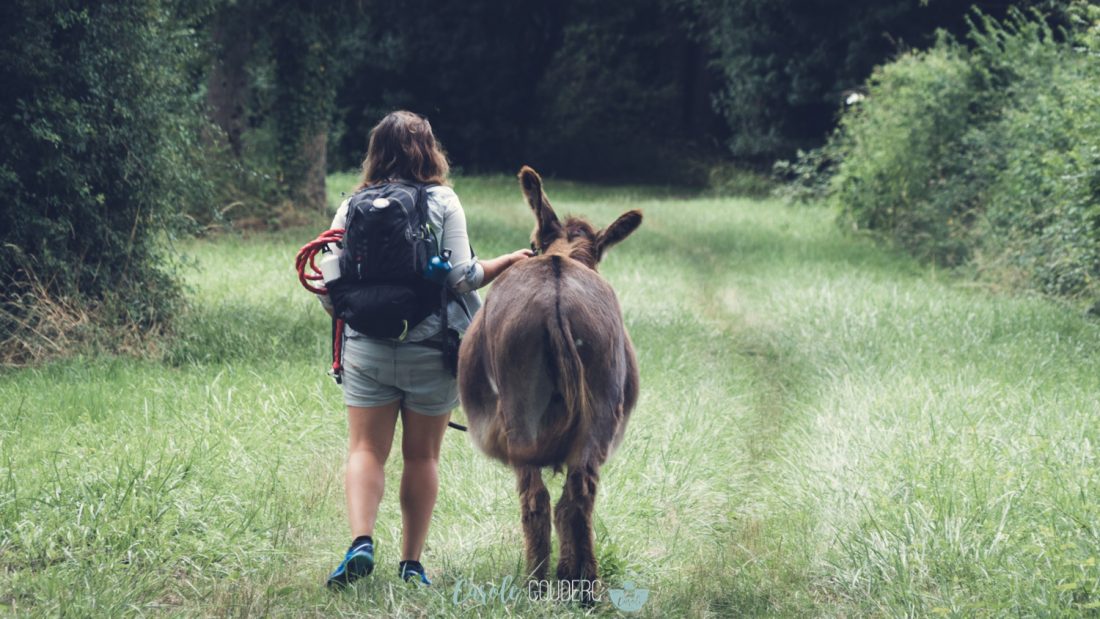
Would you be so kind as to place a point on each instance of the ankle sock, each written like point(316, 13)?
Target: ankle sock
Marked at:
point(359, 541)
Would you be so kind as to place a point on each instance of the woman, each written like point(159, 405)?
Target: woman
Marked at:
point(384, 379)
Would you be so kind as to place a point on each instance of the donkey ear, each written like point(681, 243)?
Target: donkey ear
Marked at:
point(619, 229)
point(549, 226)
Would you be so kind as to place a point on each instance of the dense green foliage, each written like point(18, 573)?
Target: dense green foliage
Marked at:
point(897, 144)
point(648, 89)
point(305, 84)
point(583, 88)
point(987, 154)
point(471, 68)
point(100, 130)
point(635, 106)
point(784, 66)
point(273, 70)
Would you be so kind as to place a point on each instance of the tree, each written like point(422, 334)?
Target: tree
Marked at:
point(584, 88)
point(306, 76)
point(472, 68)
point(100, 154)
point(274, 70)
point(626, 95)
point(232, 31)
point(785, 64)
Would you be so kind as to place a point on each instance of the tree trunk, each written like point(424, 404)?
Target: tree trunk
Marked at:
point(698, 85)
point(309, 190)
point(305, 91)
point(227, 89)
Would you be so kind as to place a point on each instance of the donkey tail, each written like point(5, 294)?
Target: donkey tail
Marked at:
point(571, 383)
point(570, 369)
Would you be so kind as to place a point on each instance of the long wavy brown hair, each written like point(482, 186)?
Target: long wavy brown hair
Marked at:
point(402, 146)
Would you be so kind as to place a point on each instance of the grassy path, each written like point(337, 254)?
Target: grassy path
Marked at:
point(825, 429)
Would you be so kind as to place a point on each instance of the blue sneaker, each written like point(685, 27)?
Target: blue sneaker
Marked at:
point(356, 564)
point(412, 571)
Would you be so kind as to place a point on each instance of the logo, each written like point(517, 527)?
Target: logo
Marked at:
point(629, 599)
point(565, 591)
point(507, 592)
point(490, 593)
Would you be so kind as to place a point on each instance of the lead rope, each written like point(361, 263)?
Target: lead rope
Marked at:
point(444, 298)
point(338, 350)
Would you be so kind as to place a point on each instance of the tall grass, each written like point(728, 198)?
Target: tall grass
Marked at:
point(824, 429)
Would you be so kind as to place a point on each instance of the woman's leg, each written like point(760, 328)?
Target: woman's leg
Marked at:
point(422, 437)
point(370, 434)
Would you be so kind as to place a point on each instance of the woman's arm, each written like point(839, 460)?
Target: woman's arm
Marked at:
point(497, 265)
point(467, 272)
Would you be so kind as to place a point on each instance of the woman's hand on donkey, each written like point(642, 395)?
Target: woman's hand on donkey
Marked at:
point(520, 255)
point(496, 266)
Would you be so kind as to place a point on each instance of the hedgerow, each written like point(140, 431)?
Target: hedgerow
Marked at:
point(101, 156)
point(985, 152)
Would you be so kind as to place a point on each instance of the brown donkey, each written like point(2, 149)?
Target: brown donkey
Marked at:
point(548, 377)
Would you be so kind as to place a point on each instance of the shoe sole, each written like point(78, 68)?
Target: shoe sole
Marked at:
point(415, 578)
point(359, 562)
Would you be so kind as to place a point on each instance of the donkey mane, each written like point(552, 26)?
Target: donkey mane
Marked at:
point(581, 238)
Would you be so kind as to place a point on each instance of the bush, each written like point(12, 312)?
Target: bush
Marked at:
point(1042, 208)
point(906, 170)
point(988, 155)
point(805, 179)
point(100, 156)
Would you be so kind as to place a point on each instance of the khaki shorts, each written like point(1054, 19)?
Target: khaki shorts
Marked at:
point(378, 372)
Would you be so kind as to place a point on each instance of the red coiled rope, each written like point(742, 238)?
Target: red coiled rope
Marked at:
point(307, 255)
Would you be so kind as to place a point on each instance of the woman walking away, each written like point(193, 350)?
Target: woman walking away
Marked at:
point(407, 377)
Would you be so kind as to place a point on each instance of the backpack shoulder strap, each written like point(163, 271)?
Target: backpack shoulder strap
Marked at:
point(422, 200)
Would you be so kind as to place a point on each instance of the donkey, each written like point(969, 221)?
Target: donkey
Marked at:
point(548, 378)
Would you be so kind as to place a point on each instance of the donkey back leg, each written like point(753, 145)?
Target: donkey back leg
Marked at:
point(573, 518)
point(534, 501)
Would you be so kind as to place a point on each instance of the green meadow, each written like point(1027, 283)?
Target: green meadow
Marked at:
point(825, 428)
